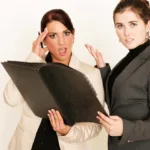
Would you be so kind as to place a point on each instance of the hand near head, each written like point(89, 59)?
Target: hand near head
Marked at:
point(36, 48)
point(112, 124)
point(57, 122)
point(97, 56)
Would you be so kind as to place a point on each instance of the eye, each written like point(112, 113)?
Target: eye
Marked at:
point(52, 36)
point(67, 33)
point(133, 24)
point(119, 26)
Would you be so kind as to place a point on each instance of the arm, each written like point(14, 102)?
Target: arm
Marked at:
point(100, 64)
point(81, 132)
point(11, 94)
point(104, 72)
point(137, 130)
point(127, 131)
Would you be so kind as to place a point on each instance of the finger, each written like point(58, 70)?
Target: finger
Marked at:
point(105, 118)
point(100, 59)
point(43, 34)
point(51, 118)
point(93, 52)
point(114, 117)
point(88, 47)
point(55, 119)
point(61, 121)
point(105, 124)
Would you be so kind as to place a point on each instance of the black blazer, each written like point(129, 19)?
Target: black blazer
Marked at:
point(131, 101)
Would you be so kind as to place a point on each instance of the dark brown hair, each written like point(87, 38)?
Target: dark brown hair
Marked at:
point(140, 7)
point(57, 15)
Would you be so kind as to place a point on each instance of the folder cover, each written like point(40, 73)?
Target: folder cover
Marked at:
point(55, 86)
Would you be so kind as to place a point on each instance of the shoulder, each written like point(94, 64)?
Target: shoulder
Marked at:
point(88, 68)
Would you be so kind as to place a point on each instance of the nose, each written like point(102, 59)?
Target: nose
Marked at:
point(127, 31)
point(61, 40)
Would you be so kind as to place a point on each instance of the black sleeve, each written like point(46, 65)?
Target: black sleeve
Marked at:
point(104, 72)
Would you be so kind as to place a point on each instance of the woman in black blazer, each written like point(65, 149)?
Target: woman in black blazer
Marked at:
point(128, 84)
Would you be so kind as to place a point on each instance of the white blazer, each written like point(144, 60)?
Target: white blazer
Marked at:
point(24, 135)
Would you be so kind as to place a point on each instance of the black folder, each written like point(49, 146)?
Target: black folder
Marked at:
point(55, 86)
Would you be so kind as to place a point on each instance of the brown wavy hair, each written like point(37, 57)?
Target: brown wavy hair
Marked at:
point(140, 7)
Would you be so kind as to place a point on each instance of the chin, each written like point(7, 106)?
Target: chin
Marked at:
point(63, 58)
point(130, 46)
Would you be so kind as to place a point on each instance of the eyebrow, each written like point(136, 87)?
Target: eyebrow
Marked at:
point(128, 22)
point(133, 21)
point(56, 32)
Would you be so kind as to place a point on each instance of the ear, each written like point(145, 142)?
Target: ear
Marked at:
point(148, 26)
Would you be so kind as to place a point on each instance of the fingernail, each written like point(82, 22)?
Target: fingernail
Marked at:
point(46, 29)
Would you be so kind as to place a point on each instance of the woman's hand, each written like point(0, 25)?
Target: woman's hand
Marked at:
point(97, 56)
point(112, 124)
point(57, 122)
point(36, 47)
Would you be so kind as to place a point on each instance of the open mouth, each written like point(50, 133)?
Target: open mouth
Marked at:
point(62, 51)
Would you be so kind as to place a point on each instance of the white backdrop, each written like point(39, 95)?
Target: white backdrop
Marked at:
point(20, 23)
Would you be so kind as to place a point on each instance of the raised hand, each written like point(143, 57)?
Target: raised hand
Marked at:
point(112, 124)
point(97, 56)
point(36, 47)
point(57, 122)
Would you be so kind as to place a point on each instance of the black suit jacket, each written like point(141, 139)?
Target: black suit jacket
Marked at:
point(131, 101)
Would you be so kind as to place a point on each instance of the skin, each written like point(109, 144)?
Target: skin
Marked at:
point(58, 40)
point(131, 31)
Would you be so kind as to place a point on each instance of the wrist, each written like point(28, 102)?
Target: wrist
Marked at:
point(64, 131)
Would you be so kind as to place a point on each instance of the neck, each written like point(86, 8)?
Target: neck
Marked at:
point(145, 43)
point(65, 62)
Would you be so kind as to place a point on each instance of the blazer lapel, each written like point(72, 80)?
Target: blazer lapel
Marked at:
point(74, 62)
point(129, 70)
point(108, 99)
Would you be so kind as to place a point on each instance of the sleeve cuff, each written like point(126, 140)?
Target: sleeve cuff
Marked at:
point(128, 127)
point(33, 57)
point(104, 72)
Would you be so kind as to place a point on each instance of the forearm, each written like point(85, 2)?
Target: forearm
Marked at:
point(135, 130)
point(104, 72)
point(11, 94)
point(81, 132)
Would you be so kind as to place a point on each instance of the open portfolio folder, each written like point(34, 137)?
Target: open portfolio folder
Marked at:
point(55, 86)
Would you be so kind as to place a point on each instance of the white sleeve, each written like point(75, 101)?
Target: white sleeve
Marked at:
point(11, 94)
point(81, 132)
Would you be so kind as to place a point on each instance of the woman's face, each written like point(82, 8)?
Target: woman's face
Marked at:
point(130, 29)
point(59, 41)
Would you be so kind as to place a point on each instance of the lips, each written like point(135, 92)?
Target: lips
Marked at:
point(129, 40)
point(62, 51)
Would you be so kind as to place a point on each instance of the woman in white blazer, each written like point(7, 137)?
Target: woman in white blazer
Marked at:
point(32, 132)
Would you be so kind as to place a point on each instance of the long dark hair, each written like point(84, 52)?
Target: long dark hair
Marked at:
point(56, 15)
